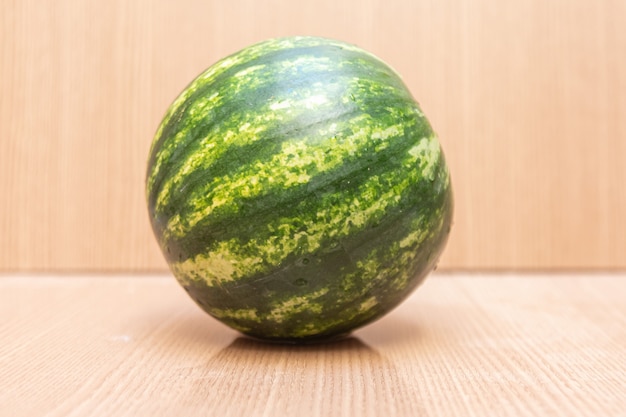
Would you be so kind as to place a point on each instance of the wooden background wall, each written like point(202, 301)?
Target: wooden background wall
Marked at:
point(528, 97)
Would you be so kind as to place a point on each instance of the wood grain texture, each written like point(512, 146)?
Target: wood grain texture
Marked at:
point(528, 98)
point(462, 345)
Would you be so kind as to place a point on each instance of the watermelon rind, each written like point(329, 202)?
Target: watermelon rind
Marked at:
point(297, 190)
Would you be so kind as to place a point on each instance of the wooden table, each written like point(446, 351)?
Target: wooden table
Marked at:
point(466, 345)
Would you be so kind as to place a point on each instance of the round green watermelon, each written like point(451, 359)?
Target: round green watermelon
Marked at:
point(297, 190)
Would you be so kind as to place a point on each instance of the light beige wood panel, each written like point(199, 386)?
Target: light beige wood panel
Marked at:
point(77, 111)
point(463, 345)
point(528, 98)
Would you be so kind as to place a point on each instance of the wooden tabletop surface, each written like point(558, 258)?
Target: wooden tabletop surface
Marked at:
point(462, 345)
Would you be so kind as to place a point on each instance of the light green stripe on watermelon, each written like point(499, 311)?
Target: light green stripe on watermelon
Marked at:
point(247, 314)
point(280, 311)
point(284, 310)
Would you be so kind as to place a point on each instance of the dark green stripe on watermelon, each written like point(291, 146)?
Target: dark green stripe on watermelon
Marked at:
point(297, 190)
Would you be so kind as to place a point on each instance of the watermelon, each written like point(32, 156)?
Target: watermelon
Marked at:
point(297, 191)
